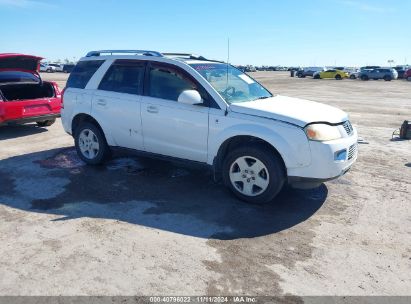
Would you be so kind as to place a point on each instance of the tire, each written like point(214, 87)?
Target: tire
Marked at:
point(387, 78)
point(364, 77)
point(317, 76)
point(91, 144)
point(49, 71)
point(409, 78)
point(352, 77)
point(299, 76)
point(338, 77)
point(242, 179)
point(46, 123)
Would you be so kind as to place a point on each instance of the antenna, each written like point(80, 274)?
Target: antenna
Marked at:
point(228, 62)
point(228, 59)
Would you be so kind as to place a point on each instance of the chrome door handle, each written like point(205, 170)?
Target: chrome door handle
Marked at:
point(101, 102)
point(152, 109)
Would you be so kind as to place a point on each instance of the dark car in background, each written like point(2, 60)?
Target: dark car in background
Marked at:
point(407, 74)
point(401, 69)
point(387, 74)
point(309, 71)
point(67, 68)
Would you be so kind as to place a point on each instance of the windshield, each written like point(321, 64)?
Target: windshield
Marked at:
point(232, 84)
point(17, 76)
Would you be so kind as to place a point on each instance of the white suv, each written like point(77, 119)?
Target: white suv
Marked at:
point(187, 107)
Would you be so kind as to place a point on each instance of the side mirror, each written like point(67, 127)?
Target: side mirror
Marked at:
point(191, 97)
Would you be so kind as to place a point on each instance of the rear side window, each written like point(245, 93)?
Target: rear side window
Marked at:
point(82, 73)
point(168, 83)
point(124, 76)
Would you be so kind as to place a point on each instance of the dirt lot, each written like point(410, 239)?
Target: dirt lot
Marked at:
point(144, 227)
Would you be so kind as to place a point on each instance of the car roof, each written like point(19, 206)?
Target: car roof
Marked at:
point(186, 58)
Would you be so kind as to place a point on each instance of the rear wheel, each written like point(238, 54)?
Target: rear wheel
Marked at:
point(46, 123)
point(317, 76)
point(338, 77)
point(254, 174)
point(364, 77)
point(387, 78)
point(91, 144)
point(352, 77)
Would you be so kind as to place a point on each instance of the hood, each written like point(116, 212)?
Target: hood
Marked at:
point(19, 62)
point(292, 110)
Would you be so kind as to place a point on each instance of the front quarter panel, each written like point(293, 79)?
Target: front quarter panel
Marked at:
point(289, 140)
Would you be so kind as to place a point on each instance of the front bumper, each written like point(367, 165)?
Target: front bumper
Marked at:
point(324, 166)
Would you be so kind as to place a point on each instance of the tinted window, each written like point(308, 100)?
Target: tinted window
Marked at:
point(82, 73)
point(15, 76)
point(124, 76)
point(168, 83)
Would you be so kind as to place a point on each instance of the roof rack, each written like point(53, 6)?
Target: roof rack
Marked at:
point(135, 52)
point(190, 56)
point(185, 55)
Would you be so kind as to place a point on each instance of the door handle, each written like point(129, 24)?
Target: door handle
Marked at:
point(101, 102)
point(152, 109)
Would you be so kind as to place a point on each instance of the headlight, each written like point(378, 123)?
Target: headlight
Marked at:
point(322, 132)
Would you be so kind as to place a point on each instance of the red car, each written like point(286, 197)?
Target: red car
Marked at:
point(24, 96)
point(407, 75)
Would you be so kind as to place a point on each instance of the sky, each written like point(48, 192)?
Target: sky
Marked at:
point(261, 32)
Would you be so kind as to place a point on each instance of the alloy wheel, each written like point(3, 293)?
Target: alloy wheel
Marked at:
point(249, 176)
point(88, 143)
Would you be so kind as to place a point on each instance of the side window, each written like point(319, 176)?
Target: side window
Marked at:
point(124, 76)
point(82, 73)
point(168, 83)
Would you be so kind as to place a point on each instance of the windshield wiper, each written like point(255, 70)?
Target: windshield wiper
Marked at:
point(262, 97)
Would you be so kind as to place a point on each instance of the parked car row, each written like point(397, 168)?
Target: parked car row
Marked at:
point(364, 73)
point(56, 67)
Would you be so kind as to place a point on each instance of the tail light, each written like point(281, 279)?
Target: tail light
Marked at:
point(62, 95)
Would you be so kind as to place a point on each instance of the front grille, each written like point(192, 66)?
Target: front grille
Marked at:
point(348, 127)
point(352, 151)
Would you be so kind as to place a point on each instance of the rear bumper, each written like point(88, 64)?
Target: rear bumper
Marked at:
point(25, 120)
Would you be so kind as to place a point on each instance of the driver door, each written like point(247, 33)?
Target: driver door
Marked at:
point(171, 128)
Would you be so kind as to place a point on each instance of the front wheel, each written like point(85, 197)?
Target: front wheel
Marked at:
point(338, 77)
point(46, 123)
point(352, 77)
point(254, 174)
point(91, 144)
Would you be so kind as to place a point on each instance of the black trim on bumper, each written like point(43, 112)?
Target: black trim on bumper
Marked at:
point(30, 119)
point(310, 183)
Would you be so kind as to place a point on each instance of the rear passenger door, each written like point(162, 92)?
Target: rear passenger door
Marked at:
point(116, 103)
point(172, 128)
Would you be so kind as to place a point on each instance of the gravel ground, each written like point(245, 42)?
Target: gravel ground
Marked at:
point(138, 226)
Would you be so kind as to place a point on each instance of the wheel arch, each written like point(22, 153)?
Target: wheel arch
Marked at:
point(83, 117)
point(241, 140)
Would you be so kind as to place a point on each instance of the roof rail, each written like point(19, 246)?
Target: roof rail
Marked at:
point(189, 56)
point(135, 52)
point(185, 55)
